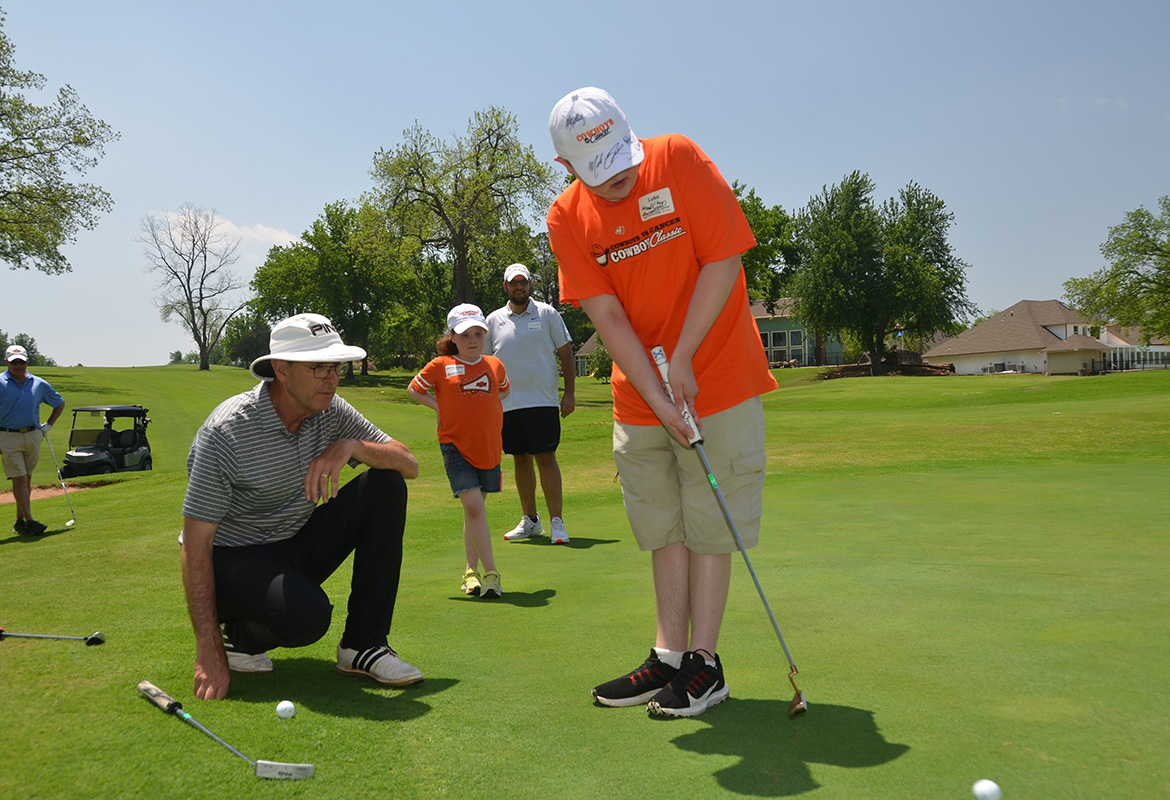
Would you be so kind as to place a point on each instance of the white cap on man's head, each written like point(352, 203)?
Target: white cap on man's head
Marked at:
point(16, 353)
point(517, 269)
point(308, 338)
point(465, 316)
point(590, 131)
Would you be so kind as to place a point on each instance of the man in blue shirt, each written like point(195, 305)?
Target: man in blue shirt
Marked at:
point(21, 431)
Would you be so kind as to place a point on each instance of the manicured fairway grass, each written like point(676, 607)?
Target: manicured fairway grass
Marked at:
point(971, 574)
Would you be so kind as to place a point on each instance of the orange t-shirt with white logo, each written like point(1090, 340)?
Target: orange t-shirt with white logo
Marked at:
point(470, 414)
point(647, 250)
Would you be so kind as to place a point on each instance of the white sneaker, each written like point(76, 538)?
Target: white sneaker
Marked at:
point(243, 662)
point(380, 663)
point(526, 529)
point(558, 531)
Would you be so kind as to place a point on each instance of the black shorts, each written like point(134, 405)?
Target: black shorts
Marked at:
point(532, 430)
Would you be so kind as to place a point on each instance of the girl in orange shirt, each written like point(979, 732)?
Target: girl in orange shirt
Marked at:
point(467, 387)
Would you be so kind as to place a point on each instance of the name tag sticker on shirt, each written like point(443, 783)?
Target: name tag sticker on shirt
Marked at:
point(655, 204)
point(534, 325)
point(454, 369)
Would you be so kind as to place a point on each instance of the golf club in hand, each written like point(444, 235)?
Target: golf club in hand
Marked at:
point(798, 704)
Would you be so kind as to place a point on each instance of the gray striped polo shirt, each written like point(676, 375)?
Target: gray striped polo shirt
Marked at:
point(247, 471)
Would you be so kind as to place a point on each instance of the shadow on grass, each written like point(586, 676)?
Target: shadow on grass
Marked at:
point(574, 543)
point(775, 750)
point(316, 685)
point(537, 599)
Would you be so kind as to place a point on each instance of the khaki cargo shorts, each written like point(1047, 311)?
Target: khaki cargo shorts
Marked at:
point(665, 489)
point(21, 452)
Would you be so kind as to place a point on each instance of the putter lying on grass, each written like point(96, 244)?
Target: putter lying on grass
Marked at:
point(91, 640)
point(798, 705)
point(73, 518)
point(264, 769)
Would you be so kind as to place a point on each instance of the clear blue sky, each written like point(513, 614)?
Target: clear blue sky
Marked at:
point(1040, 124)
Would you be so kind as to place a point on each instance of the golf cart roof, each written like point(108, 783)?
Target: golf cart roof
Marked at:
point(114, 411)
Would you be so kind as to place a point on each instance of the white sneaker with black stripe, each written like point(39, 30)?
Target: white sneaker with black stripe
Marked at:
point(380, 663)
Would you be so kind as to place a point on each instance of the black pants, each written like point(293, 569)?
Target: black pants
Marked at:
point(270, 595)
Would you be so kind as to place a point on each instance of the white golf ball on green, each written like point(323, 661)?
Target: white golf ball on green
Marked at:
point(285, 709)
point(986, 790)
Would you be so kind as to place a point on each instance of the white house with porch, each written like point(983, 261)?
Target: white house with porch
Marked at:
point(1045, 336)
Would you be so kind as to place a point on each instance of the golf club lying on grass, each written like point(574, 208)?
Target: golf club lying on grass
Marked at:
point(91, 640)
point(798, 705)
point(264, 769)
point(73, 518)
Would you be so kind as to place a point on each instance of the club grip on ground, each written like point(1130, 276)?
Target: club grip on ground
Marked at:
point(159, 697)
point(659, 355)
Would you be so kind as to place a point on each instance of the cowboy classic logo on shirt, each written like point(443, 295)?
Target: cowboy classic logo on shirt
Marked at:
point(636, 245)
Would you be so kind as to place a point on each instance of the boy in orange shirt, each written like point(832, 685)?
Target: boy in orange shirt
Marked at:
point(648, 242)
point(468, 387)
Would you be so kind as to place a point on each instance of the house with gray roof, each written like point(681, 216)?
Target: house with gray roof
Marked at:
point(1044, 336)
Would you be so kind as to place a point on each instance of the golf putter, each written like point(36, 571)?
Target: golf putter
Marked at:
point(264, 769)
point(95, 638)
point(798, 704)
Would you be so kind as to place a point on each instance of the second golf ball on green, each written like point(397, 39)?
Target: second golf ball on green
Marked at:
point(285, 709)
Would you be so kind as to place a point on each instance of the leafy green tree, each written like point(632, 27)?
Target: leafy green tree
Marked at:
point(245, 339)
point(1135, 289)
point(868, 272)
point(455, 198)
point(776, 254)
point(346, 266)
point(193, 256)
point(40, 209)
point(35, 357)
point(600, 363)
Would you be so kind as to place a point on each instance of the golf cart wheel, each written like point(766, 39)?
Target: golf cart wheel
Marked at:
point(146, 464)
point(105, 469)
point(67, 471)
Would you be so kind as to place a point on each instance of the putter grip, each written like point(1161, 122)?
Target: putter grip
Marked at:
point(659, 355)
point(159, 697)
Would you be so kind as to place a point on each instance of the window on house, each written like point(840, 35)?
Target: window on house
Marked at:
point(780, 355)
point(764, 339)
point(797, 339)
point(779, 338)
point(797, 356)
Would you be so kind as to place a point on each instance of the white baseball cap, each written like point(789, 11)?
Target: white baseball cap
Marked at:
point(465, 316)
point(306, 338)
point(16, 353)
point(590, 131)
point(517, 269)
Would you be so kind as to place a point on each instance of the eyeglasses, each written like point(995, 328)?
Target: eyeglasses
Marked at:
point(323, 371)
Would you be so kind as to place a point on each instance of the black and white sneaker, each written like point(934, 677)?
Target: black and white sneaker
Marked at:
point(697, 687)
point(380, 663)
point(638, 686)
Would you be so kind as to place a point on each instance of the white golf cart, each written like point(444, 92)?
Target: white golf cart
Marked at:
point(107, 439)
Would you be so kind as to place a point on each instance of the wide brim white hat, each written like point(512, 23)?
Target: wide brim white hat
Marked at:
point(307, 338)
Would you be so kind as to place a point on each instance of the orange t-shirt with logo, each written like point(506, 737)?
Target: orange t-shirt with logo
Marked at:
point(470, 414)
point(647, 250)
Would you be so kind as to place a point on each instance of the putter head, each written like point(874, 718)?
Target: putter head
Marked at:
point(277, 769)
point(798, 705)
point(95, 639)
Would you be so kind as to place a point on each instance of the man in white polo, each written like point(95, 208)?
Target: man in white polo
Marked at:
point(530, 338)
point(265, 522)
